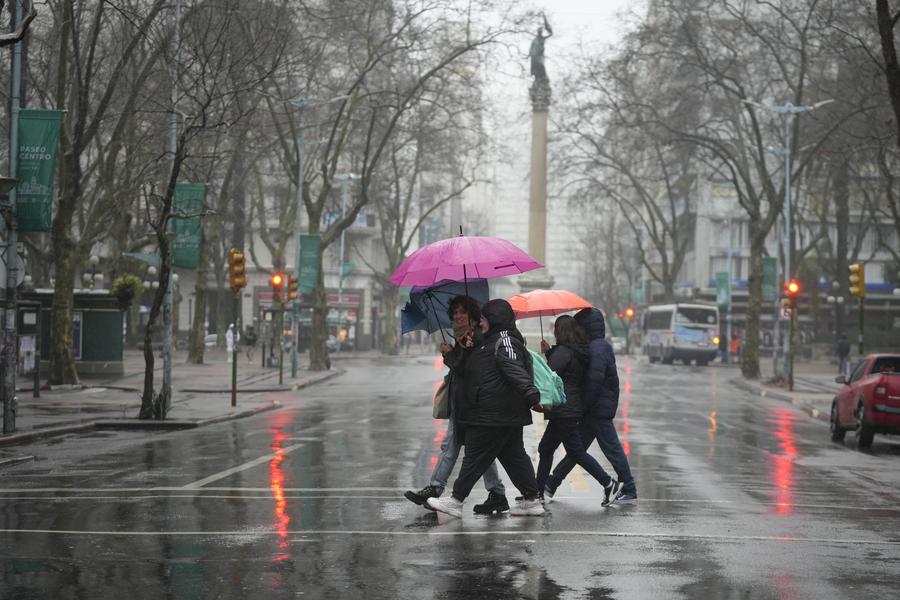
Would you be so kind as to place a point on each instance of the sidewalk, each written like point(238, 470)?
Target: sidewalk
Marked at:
point(202, 395)
point(814, 386)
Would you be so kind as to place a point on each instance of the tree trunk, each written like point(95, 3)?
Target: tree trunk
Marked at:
point(197, 341)
point(841, 192)
point(318, 350)
point(750, 352)
point(391, 334)
point(62, 358)
point(148, 399)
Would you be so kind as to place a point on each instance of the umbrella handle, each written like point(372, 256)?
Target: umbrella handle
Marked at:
point(541, 321)
point(431, 302)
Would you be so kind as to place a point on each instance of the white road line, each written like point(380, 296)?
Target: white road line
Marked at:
point(310, 493)
point(505, 533)
point(248, 465)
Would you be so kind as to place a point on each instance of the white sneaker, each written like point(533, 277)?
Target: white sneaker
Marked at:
point(447, 505)
point(527, 508)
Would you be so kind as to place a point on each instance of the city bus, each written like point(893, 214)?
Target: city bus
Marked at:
point(682, 332)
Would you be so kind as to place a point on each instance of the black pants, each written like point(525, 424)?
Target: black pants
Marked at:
point(486, 444)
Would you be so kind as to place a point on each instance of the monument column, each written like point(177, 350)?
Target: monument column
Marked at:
point(537, 202)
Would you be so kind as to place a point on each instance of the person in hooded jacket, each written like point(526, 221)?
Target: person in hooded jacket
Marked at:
point(465, 315)
point(569, 358)
point(601, 400)
point(495, 403)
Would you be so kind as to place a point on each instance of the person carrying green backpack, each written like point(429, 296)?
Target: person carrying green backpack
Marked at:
point(569, 358)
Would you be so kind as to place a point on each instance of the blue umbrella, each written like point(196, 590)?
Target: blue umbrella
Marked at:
point(427, 306)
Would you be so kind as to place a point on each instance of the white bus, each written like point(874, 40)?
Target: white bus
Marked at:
point(683, 332)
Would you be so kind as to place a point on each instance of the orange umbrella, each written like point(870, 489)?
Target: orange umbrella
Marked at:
point(546, 303)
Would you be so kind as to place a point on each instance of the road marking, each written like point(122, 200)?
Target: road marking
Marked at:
point(248, 465)
point(334, 493)
point(506, 533)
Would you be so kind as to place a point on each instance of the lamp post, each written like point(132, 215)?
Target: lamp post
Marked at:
point(301, 103)
point(344, 180)
point(93, 279)
point(788, 110)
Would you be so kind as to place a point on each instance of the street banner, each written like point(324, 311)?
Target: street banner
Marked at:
point(189, 199)
point(346, 269)
point(723, 289)
point(308, 262)
point(769, 287)
point(36, 168)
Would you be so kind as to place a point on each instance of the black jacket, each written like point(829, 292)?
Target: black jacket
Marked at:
point(456, 361)
point(570, 362)
point(498, 384)
point(601, 382)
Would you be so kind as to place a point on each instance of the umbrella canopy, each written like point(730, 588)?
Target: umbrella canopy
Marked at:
point(463, 258)
point(546, 303)
point(427, 306)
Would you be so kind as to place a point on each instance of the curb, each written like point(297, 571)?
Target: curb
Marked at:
point(758, 390)
point(172, 425)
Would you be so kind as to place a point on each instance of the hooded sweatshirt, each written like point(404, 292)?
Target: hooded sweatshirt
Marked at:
point(571, 363)
point(601, 383)
point(498, 385)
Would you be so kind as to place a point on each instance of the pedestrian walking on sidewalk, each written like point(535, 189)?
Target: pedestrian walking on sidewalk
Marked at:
point(465, 314)
point(569, 358)
point(601, 400)
point(843, 354)
point(232, 337)
point(250, 342)
point(494, 405)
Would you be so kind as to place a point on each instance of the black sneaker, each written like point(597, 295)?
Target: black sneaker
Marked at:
point(494, 503)
point(611, 492)
point(627, 498)
point(422, 496)
point(549, 491)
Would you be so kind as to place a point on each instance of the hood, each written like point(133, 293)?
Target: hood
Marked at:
point(582, 352)
point(499, 315)
point(592, 321)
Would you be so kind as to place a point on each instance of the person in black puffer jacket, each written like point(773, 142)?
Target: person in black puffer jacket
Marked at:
point(569, 358)
point(494, 405)
point(601, 400)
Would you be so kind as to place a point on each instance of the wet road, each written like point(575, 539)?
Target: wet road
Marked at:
point(740, 497)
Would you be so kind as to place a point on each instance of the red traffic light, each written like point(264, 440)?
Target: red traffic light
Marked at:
point(629, 312)
point(792, 288)
point(277, 279)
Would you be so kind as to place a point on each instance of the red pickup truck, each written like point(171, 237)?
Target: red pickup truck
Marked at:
point(869, 402)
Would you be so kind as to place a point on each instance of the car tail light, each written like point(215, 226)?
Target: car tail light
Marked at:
point(881, 388)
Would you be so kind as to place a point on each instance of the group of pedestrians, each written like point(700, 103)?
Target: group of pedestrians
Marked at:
point(492, 394)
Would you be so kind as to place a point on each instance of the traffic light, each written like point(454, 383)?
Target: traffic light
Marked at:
point(291, 287)
point(858, 279)
point(792, 290)
point(237, 269)
point(278, 281)
point(629, 313)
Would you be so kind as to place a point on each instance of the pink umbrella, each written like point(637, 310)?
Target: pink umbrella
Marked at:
point(546, 303)
point(461, 258)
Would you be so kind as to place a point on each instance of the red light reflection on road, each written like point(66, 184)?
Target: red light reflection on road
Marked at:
point(440, 434)
point(783, 461)
point(625, 425)
point(276, 482)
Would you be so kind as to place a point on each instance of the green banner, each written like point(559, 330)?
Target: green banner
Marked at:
point(346, 269)
point(189, 198)
point(38, 139)
point(723, 289)
point(769, 285)
point(308, 262)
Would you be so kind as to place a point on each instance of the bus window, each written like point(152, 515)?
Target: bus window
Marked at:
point(661, 319)
point(695, 316)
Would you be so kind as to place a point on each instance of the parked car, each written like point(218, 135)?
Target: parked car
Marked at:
point(618, 344)
point(210, 340)
point(869, 402)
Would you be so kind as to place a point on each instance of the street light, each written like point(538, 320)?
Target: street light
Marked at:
point(301, 103)
point(788, 110)
point(93, 278)
point(343, 180)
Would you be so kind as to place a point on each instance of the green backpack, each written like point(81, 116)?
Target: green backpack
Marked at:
point(546, 380)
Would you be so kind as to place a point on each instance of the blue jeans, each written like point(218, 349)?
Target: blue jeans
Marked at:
point(566, 432)
point(449, 453)
point(604, 432)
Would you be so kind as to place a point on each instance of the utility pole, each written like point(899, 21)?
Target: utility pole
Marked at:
point(344, 180)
